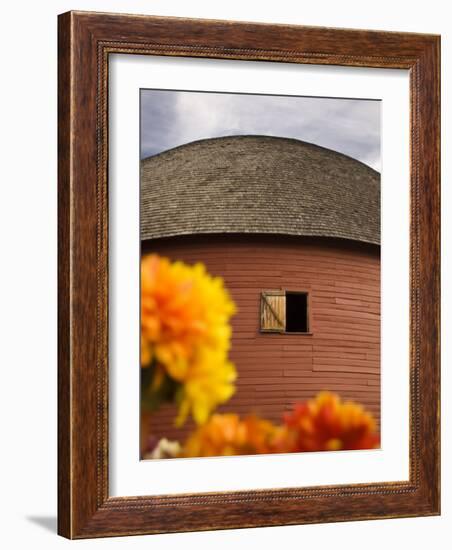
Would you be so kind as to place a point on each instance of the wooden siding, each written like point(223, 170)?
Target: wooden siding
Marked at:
point(342, 351)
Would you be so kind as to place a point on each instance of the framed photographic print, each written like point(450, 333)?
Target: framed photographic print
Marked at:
point(248, 275)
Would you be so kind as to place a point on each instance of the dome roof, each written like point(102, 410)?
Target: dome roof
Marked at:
point(259, 184)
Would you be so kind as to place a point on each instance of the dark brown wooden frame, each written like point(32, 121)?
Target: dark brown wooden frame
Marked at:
point(85, 41)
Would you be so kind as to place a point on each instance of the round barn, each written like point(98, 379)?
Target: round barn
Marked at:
point(294, 230)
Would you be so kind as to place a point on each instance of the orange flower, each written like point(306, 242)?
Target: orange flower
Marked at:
point(185, 334)
point(327, 424)
point(226, 434)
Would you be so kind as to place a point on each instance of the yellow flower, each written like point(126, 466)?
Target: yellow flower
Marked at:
point(209, 382)
point(324, 423)
point(227, 434)
point(185, 333)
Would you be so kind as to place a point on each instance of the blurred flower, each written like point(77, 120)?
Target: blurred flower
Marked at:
point(209, 382)
point(185, 335)
point(226, 434)
point(327, 423)
point(164, 448)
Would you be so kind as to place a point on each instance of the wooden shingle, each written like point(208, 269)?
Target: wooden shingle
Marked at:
point(260, 185)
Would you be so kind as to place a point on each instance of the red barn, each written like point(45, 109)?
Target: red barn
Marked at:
point(294, 230)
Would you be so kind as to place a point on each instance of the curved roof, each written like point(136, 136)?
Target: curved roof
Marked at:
point(259, 184)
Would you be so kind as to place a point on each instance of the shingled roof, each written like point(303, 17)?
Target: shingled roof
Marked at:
point(259, 184)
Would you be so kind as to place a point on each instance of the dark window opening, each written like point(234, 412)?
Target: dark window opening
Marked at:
point(296, 312)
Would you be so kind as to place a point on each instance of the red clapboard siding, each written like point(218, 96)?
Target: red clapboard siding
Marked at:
point(342, 353)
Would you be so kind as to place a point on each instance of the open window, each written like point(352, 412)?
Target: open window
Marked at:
point(285, 311)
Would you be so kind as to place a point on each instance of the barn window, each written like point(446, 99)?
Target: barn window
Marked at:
point(296, 312)
point(284, 311)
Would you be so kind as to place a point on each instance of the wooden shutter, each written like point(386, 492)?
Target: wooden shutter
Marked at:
point(273, 311)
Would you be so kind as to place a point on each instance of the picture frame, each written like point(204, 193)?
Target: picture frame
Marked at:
point(86, 40)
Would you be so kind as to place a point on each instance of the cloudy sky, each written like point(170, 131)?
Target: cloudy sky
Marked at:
point(171, 118)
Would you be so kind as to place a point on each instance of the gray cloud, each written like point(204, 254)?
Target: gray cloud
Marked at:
point(172, 118)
